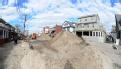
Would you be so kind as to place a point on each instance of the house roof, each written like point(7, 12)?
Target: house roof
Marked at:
point(69, 24)
point(2, 21)
point(88, 16)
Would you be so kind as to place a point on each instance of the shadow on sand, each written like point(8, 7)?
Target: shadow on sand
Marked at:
point(5, 50)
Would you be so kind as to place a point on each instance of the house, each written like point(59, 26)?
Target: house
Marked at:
point(46, 30)
point(55, 30)
point(6, 31)
point(91, 29)
point(113, 33)
point(118, 28)
point(69, 26)
point(58, 28)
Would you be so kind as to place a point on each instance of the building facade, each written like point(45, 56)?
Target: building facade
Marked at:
point(113, 33)
point(91, 29)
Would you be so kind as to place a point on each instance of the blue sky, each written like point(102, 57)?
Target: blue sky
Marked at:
point(51, 12)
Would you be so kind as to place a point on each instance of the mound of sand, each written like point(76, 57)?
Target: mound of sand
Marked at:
point(13, 59)
point(33, 60)
point(44, 37)
point(66, 38)
point(72, 53)
point(87, 58)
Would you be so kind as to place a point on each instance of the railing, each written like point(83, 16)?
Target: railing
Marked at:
point(86, 28)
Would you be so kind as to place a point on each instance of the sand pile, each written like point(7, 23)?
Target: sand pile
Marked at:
point(44, 37)
point(33, 60)
point(88, 58)
point(15, 56)
point(64, 39)
point(72, 53)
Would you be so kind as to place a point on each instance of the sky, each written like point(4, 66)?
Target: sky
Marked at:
point(42, 13)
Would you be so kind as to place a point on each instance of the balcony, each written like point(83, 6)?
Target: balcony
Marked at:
point(87, 28)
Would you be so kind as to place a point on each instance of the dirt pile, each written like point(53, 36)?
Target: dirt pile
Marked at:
point(44, 37)
point(72, 53)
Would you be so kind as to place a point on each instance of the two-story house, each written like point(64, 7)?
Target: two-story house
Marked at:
point(90, 28)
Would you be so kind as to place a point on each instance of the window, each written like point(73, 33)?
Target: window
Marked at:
point(85, 24)
point(4, 34)
point(80, 20)
point(79, 33)
point(88, 25)
point(99, 33)
point(92, 18)
point(96, 33)
point(1, 33)
point(86, 33)
point(85, 19)
point(80, 25)
point(90, 33)
point(93, 25)
point(120, 22)
point(93, 33)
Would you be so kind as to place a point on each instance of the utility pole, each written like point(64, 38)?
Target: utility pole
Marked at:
point(25, 19)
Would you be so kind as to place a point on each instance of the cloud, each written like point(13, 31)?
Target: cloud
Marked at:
point(62, 10)
point(104, 9)
point(8, 13)
point(52, 12)
point(11, 2)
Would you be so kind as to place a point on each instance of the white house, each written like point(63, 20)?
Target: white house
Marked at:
point(69, 26)
point(91, 29)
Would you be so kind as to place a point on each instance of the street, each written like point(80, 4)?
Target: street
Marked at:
point(11, 54)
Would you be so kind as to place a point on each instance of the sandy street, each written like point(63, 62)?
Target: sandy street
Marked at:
point(107, 49)
point(11, 54)
point(4, 52)
point(60, 54)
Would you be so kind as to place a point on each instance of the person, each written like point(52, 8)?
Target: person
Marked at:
point(15, 39)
